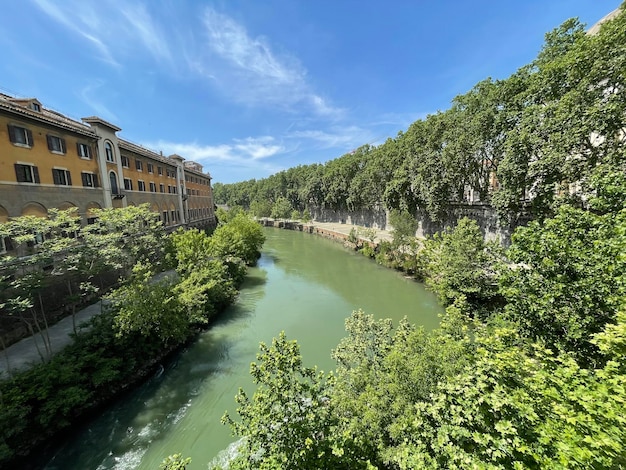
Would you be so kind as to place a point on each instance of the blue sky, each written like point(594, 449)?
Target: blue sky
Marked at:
point(251, 87)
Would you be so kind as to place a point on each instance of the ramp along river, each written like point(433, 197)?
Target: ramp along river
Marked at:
point(304, 285)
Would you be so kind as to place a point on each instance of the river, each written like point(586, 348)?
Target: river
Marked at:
point(304, 285)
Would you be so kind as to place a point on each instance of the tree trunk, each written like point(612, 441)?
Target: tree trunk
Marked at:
point(45, 322)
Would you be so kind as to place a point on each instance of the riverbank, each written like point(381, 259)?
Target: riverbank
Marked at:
point(336, 231)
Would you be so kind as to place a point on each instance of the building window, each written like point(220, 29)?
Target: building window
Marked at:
point(20, 136)
point(150, 168)
point(61, 177)
point(90, 180)
point(113, 180)
point(26, 173)
point(173, 217)
point(165, 221)
point(35, 107)
point(55, 144)
point(125, 161)
point(128, 184)
point(138, 165)
point(161, 188)
point(108, 150)
point(152, 187)
point(83, 150)
point(160, 170)
point(141, 185)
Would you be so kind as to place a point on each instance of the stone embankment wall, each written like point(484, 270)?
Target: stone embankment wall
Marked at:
point(485, 215)
point(376, 218)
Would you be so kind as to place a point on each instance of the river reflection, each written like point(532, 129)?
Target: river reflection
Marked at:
point(303, 285)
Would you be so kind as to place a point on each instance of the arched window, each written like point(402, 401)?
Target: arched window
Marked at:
point(108, 149)
point(114, 188)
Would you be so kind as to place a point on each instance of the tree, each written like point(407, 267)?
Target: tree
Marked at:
point(281, 208)
point(148, 308)
point(566, 283)
point(459, 263)
point(404, 227)
point(288, 422)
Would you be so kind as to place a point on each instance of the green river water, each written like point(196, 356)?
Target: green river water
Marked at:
point(304, 285)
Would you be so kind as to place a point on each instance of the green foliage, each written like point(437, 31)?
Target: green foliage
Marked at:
point(288, 422)
point(148, 308)
point(295, 215)
point(241, 238)
point(306, 215)
point(404, 227)
point(353, 236)
point(175, 462)
point(281, 208)
point(568, 279)
point(261, 208)
point(458, 263)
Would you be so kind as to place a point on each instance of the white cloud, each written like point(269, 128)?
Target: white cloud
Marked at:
point(252, 73)
point(87, 95)
point(113, 27)
point(240, 152)
point(334, 137)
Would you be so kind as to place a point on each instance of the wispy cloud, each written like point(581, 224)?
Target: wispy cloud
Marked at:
point(240, 151)
point(254, 73)
point(112, 27)
point(88, 95)
point(334, 137)
point(72, 22)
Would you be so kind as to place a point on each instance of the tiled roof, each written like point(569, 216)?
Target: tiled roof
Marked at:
point(138, 149)
point(47, 116)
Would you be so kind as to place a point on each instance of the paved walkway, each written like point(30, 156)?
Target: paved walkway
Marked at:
point(24, 353)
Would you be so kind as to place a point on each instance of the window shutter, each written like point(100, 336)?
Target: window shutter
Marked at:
point(78, 150)
point(55, 176)
point(63, 148)
point(36, 174)
point(95, 181)
point(29, 136)
point(49, 140)
point(19, 172)
point(88, 148)
point(69, 178)
point(84, 178)
point(11, 133)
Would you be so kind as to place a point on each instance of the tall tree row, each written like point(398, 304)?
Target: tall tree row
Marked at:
point(525, 144)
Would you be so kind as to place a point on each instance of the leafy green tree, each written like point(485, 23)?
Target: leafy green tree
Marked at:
point(241, 237)
point(404, 227)
point(567, 281)
point(281, 208)
point(148, 308)
point(459, 263)
point(288, 422)
point(261, 208)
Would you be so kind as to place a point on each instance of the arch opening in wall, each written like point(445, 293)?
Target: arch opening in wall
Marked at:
point(4, 215)
point(35, 209)
point(109, 152)
point(91, 212)
point(115, 189)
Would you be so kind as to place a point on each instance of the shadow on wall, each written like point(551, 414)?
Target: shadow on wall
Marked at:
point(485, 215)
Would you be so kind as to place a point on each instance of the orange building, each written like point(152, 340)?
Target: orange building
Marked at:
point(48, 160)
